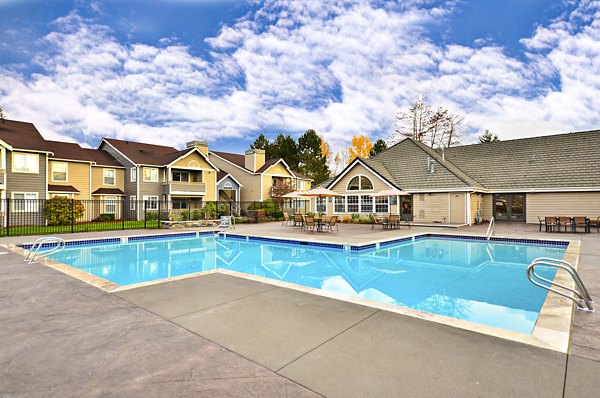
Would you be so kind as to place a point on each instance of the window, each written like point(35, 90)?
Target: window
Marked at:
point(180, 204)
point(59, 171)
point(25, 202)
point(181, 176)
point(340, 204)
point(382, 205)
point(109, 176)
point(300, 185)
point(150, 174)
point(321, 205)
point(151, 202)
point(366, 204)
point(132, 201)
point(352, 203)
point(25, 163)
point(360, 183)
point(110, 204)
point(133, 174)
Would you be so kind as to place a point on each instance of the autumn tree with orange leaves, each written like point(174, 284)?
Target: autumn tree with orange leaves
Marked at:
point(360, 148)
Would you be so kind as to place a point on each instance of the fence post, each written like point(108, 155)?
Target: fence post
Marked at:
point(145, 214)
point(7, 216)
point(72, 215)
point(123, 213)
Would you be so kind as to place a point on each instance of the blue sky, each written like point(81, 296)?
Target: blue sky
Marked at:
point(170, 71)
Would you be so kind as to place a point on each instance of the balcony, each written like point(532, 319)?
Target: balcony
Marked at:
point(184, 188)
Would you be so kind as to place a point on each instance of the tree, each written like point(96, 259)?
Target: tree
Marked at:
point(360, 148)
point(325, 149)
point(286, 148)
point(340, 160)
point(487, 136)
point(279, 189)
point(2, 115)
point(434, 128)
point(312, 161)
point(378, 147)
point(263, 143)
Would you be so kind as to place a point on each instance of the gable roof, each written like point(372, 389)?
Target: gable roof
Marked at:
point(71, 151)
point(22, 135)
point(151, 154)
point(556, 161)
point(240, 161)
point(334, 180)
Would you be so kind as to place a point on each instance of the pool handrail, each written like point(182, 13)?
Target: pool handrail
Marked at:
point(39, 243)
point(491, 229)
point(580, 296)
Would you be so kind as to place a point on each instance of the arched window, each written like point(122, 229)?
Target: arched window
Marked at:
point(193, 163)
point(360, 183)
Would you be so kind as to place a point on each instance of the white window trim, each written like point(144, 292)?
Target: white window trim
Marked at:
point(114, 201)
point(189, 175)
point(66, 172)
point(359, 204)
point(144, 174)
point(360, 189)
point(114, 177)
point(149, 199)
point(132, 202)
point(37, 196)
point(133, 174)
point(37, 162)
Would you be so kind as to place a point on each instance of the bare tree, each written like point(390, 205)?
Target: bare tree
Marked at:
point(433, 128)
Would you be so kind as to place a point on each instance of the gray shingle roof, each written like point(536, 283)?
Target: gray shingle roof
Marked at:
point(558, 161)
point(406, 163)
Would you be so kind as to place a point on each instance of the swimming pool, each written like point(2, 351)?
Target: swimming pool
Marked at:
point(473, 280)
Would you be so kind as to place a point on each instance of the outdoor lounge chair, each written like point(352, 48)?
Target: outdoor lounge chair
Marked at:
point(379, 220)
point(332, 223)
point(286, 219)
point(309, 222)
point(580, 222)
point(550, 223)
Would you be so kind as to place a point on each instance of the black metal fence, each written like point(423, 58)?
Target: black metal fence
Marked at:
point(64, 215)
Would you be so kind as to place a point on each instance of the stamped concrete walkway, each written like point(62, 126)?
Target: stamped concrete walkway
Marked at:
point(219, 335)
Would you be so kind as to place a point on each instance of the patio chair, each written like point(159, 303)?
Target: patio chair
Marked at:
point(542, 223)
point(550, 223)
point(392, 222)
point(595, 224)
point(332, 223)
point(298, 219)
point(581, 222)
point(309, 222)
point(564, 221)
point(286, 219)
point(379, 220)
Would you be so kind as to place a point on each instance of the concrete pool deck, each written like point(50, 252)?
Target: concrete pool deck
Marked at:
point(162, 339)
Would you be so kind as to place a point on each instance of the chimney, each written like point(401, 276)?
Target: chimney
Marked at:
point(255, 159)
point(202, 146)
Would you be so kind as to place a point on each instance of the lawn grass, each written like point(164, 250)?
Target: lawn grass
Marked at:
point(80, 227)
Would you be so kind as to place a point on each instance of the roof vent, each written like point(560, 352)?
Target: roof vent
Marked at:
point(430, 165)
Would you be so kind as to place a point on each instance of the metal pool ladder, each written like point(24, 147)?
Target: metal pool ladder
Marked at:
point(34, 254)
point(580, 295)
point(491, 229)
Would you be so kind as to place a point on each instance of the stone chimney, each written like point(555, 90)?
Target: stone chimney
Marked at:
point(255, 159)
point(201, 145)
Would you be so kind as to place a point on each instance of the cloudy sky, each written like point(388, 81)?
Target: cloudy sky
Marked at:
point(223, 71)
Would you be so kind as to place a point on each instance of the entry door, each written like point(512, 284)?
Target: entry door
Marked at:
point(457, 208)
point(509, 207)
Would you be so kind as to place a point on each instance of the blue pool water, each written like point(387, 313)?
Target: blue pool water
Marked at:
point(472, 280)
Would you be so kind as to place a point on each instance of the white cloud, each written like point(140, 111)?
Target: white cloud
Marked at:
point(341, 67)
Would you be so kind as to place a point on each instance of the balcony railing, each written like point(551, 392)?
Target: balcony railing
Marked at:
point(198, 188)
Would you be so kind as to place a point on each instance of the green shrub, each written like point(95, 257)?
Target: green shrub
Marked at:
point(355, 217)
point(105, 217)
point(197, 215)
point(63, 211)
point(150, 216)
point(184, 215)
